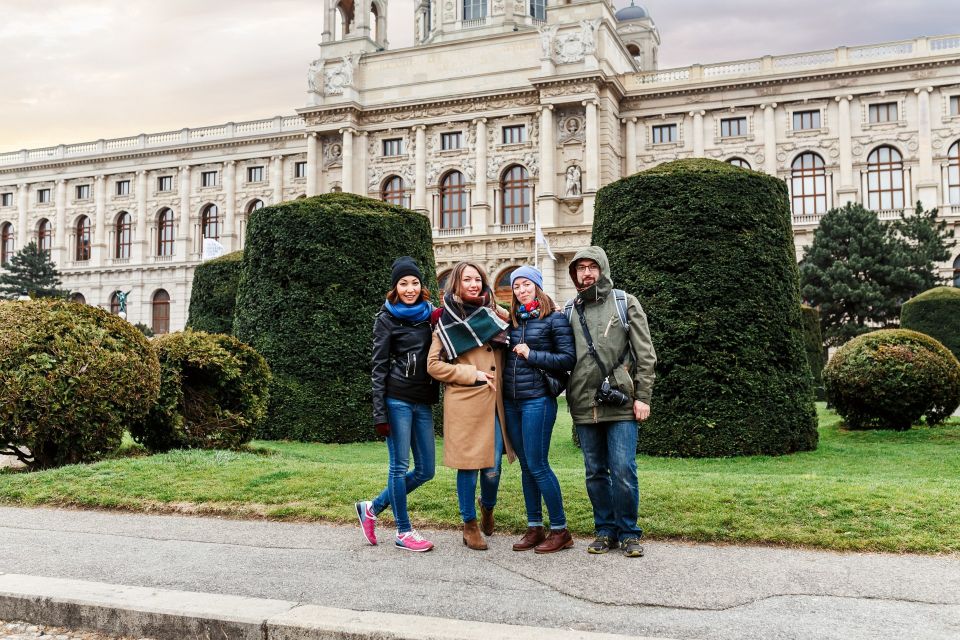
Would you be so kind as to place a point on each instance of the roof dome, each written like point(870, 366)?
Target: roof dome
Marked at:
point(633, 12)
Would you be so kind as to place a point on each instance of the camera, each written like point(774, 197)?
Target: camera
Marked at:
point(609, 395)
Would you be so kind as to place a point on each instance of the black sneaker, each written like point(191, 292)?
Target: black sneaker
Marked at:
point(602, 544)
point(632, 548)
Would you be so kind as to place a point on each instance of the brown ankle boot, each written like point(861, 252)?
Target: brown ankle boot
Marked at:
point(472, 537)
point(486, 519)
point(530, 539)
point(556, 541)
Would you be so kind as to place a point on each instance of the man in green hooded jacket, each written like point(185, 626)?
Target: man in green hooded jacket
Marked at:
point(606, 422)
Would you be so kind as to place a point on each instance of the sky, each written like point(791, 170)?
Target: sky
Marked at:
point(79, 70)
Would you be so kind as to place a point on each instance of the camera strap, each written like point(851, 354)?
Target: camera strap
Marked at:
point(578, 305)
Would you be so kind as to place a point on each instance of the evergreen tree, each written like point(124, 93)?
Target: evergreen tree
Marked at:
point(30, 273)
point(929, 241)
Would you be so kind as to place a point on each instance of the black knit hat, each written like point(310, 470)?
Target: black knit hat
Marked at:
point(404, 266)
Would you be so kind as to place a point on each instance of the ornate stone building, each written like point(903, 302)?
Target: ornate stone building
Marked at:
point(504, 115)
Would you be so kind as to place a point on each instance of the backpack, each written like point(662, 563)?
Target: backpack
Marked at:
point(619, 298)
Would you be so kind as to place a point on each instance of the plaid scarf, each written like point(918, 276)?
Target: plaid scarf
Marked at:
point(468, 324)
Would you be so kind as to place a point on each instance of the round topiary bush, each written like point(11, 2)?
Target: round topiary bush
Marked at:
point(213, 393)
point(708, 250)
point(889, 379)
point(72, 378)
point(214, 294)
point(315, 273)
point(813, 344)
point(935, 312)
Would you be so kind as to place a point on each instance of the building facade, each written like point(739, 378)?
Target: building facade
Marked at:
point(503, 116)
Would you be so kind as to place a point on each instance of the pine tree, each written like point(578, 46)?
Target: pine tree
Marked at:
point(30, 273)
point(929, 241)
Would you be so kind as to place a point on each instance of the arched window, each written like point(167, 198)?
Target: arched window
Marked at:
point(474, 9)
point(453, 201)
point(78, 298)
point(502, 289)
point(253, 206)
point(443, 281)
point(114, 303)
point(885, 179)
point(393, 191)
point(516, 196)
point(808, 185)
point(44, 236)
point(739, 162)
point(83, 239)
point(165, 233)
point(956, 272)
point(161, 312)
point(124, 235)
point(953, 173)
point(6, 242)
point(210, 222)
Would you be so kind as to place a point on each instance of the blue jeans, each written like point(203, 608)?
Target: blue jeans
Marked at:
point(529, 427)
point(489, 481)
point(411, 425)
point(610, 462)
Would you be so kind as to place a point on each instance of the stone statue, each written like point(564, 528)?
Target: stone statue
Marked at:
point(573, 181)
point(312, 71)
point(122, 302)
point(337, 78)
point(547, 34)
point(587, 30)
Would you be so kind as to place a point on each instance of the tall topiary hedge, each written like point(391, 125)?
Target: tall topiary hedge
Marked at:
point(214, 294)
point(708, 249)
point(813, 344)
point(935, 312)
point(314, 275)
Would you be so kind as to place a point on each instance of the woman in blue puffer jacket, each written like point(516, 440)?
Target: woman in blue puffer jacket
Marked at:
point(541, 339)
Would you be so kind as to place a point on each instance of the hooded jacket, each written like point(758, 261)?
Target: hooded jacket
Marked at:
point(634, 377)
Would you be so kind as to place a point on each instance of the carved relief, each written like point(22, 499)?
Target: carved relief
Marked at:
point(568, 90)
point(460, 108)
point(574, 46)
point(571, 126)
point(340, 76)
point(332, 151)
point(547, 36)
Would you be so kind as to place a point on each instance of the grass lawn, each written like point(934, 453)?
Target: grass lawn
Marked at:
point(879, 491)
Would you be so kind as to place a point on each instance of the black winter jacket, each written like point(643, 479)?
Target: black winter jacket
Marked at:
point(551, 347)
point(399, 363)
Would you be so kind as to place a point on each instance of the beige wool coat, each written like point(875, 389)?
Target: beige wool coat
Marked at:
point(468, 409)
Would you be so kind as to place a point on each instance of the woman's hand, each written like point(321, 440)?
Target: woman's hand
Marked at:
point(489, 378)
point(522, 350)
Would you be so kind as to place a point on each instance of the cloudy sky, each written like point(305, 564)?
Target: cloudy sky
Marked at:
point(77, 70)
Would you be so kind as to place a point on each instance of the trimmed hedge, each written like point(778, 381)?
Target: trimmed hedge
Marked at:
point(813, 344)
point(315, 272)
point(889, 379)
point(213, 393)
point(214, 294)
point(708, 249)
point(935, 312)
point(72, 378)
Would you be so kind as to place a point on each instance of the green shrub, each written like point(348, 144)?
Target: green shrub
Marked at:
point(813, 344)
point(935, 312)
point(213, 393)
point(315, 272)
point(72, 378)
point(889, 379)
point(214, 294)
point(708, 249)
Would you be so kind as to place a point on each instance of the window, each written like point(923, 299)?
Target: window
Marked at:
point(43, 196)
point(956, 272)
point(161, 312)
point(502, 290)
point(474, 9)
point(44, 235)
point(885, 179)
point(82, 236)
point(254, 174)
point(393, 147)
point(165, 233)
point(739, 162)
point(953, 173)
point(733, 127)
point(664, 133)
point(210, 222)
point(955, 105)
point(394, 191)
point(165, 183)
point(300, 170)
point(253, 206)
point(806, 120)
point(6, 200)
point(515, 134)
point(808, 185)
point(538, 9)
point(6, 242)
point(450, 141)
point(83, 192)
point(516, 196)
point(114, 303)
point(124, 236)
point(453, 201)
point(883, 112)
point(78, 298)
point(208, 178)
point(123, 187)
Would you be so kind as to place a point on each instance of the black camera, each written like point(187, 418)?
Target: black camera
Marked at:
point(609, 395)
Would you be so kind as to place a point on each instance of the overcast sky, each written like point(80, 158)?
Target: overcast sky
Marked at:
point(78, 70)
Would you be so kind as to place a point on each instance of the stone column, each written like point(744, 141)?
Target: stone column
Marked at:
point(362, 160)
point(230, 211)
point(185, 228)
point(548, 146)
point(592, 178)
point(23, 202)
point(698, 133)
point(141, 244)
point(548, 267)
point(346, 172)
point(480, 208)
point(420, 188)
point(769, 138)
point(276, 178)
point(846, 190)
point(631, 126)
point(59, 252)
point(100, 226)
point(927, 184)
point(312, 161)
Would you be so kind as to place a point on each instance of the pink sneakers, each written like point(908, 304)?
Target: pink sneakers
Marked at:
point(367, 520)
point(413, 541)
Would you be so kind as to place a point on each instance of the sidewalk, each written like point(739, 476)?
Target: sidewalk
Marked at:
point(677, 591)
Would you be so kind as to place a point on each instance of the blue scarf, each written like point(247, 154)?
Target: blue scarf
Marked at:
point(410, 312)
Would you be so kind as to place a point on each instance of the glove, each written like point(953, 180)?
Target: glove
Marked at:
point(383, 428)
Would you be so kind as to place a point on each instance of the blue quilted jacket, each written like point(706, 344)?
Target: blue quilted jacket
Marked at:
point(551, 347)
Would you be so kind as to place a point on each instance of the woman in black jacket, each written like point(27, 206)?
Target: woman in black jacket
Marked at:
point(402, 395)
point(542, 342)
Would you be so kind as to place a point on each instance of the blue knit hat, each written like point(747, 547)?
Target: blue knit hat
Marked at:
point(530, 273)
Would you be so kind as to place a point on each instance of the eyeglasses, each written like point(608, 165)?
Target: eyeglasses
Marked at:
point(583, 268)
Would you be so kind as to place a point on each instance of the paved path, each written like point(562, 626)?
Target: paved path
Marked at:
point(677, 591)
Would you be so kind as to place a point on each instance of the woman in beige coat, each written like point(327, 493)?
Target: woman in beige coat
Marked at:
point(467, 357)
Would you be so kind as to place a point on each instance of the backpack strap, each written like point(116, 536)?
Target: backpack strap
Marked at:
point(568, 310)
point(620, 299)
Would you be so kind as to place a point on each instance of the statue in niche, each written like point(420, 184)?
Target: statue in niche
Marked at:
point(587, 30)
point(547, 34)
point(573, 181)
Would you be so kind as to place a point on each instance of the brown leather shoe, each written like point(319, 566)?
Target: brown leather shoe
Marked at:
point(486, 519)
point(530, 539)
point(472, 537)
point(556, 541)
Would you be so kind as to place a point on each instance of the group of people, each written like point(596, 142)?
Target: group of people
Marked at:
point(501, 373)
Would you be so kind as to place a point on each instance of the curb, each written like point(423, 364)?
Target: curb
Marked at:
point(164, 614)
